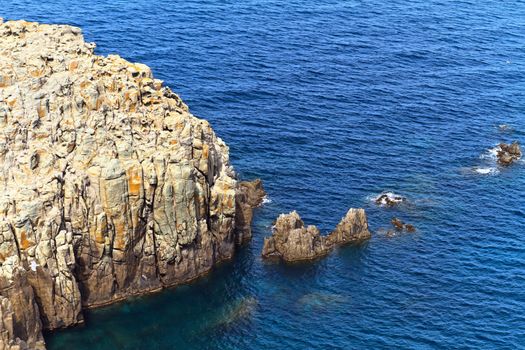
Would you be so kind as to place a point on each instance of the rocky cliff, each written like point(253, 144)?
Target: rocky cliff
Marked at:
point(109, 186)
point(292, 241)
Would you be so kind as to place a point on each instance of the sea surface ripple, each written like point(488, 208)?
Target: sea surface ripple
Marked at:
point(331, 103)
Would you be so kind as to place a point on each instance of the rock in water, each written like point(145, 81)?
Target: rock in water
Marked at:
point(410, 228)
point(400, 226)
point(508, 153)
point(109, 186)
point(352, 228)
point(389, 199)
point(249, 196)
point(292, 241)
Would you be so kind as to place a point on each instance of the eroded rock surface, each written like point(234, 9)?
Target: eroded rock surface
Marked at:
point(109, 186)
point(292, 241)
point(250, 195)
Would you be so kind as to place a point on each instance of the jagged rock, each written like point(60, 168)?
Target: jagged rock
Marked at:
point(508, 153)
point(20, 326)
point(109, 186)
point(292, 241)
point(249, 196)
point(353, 227)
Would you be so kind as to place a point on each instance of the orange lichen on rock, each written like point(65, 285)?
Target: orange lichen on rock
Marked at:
point(134, 182)
point(24, 242)
point(73, 65)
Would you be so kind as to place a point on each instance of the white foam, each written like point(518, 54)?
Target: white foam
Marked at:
point(266, 200)
point(486, 171)
point(390, 196)
point(491, 153)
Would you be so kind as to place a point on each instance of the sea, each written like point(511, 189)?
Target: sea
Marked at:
point(332, 103)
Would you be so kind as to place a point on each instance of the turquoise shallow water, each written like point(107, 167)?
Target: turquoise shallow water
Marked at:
point(330, 103)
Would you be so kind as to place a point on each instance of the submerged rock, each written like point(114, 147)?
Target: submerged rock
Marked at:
point(505, 128)
point(508, 153)
point(241, 309)
point(400, 226)
point(390, 233)
point(292, 241)
point(109, 185)
point(316, 301)
point(410, 228)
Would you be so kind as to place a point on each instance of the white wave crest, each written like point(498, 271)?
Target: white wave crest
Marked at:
point(491, 153)
point(387, 199)
point(486, 171)
point(266, 200)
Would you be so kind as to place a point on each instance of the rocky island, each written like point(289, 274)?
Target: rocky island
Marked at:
point(109, 187)
point(292, 241)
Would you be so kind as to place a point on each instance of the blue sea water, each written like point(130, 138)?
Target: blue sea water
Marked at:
point(332, 102)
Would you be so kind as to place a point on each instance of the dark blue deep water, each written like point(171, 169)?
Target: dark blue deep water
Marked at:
point(331, 103)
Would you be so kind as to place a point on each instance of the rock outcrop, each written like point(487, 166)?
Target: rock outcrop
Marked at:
point(292, 241)
point(109, 185)
point(389, 199)
point(508, 153)
point(249, 195)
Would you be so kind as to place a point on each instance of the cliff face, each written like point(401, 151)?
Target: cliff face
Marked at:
point(109, 186)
